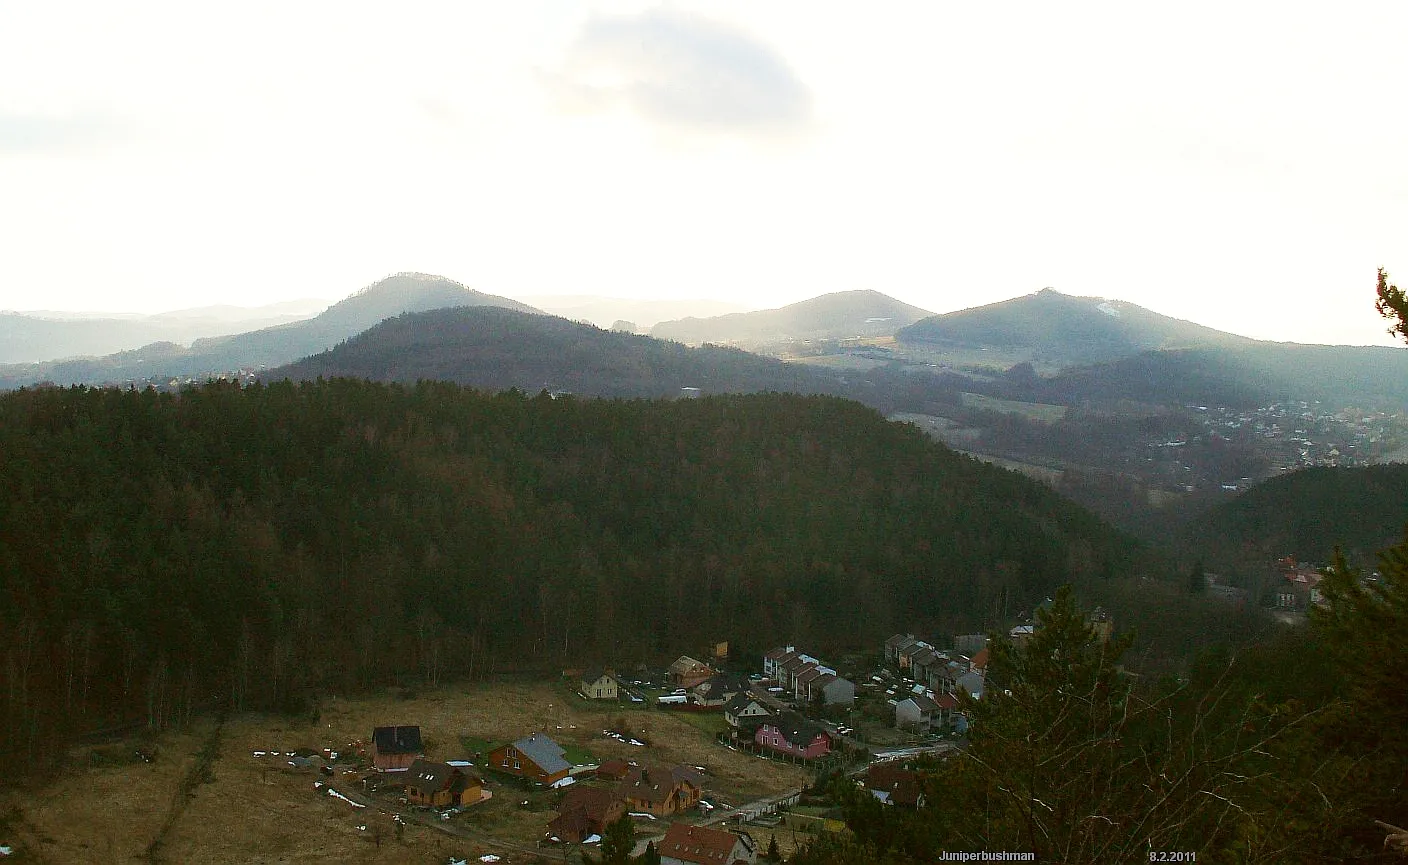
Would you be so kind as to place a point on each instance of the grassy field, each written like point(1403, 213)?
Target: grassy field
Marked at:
point(1030, 410)
point(257, 809)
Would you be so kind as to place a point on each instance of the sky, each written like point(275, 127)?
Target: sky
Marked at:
point(1241, 165)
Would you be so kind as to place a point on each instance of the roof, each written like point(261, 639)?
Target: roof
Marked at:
point(900, 785)
point(724, 682)
point(543, 751)
point(924, 703)
point(573, 824)
point(778, 652)
point(686, 664)
point(898, 640)
point(593, 802)
point(980, 660)
point(698, 844)
point(397, 740)
point(592, 676)
point(741, 701)
point(796, 729)
point(614, 769)
point(972, 683)
point(924, 656)
point(427, 777)
point(655, 783)
point(811, 674)
point(795, 663)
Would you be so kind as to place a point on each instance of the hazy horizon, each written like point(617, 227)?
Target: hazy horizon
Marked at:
point(1239, 167)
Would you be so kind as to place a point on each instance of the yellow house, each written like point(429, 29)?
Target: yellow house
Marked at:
point(600, 685)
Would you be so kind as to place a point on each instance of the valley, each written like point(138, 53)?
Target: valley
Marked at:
point(425, 515)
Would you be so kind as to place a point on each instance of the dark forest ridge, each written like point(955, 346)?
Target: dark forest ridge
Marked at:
point(497, 349)
point(196, 537)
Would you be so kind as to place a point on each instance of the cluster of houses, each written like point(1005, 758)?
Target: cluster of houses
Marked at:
point(625, 788)
point(756, 716)
point(439, 785)
point(659, 791)
point(807, 678)
point(399, 752)
point(939, 676)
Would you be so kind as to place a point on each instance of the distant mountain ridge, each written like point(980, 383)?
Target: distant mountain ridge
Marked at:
point(1064, 330)
point(1109, 350)
point(258, 349)
point(36, 336)
point(840, 315)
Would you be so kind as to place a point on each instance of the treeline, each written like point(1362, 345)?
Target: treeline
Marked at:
point(250, 547)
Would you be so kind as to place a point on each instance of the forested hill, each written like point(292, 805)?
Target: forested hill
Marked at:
point(261, 544)
point(1306, 514)
point(1062, 330)
point(498, 349)
point(270, 346)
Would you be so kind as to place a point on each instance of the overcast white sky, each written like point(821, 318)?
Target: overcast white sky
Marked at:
point(1241, 165)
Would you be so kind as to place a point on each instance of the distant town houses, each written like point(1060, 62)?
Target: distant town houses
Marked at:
point(940, 676)
point(536, 758)
point(807, 678)
point(924, 713)
point(939, 671)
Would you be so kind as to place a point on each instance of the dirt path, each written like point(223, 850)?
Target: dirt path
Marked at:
point(198, 774)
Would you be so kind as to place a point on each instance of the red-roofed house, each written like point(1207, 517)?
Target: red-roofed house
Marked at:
point(700, 845)
point(586, 811)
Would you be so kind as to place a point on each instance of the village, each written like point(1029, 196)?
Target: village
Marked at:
point(708, 763)
point(794, 713)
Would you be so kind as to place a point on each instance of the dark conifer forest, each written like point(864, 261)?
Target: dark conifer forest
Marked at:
point(250, 548)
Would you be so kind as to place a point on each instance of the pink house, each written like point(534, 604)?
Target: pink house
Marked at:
point(790, 733)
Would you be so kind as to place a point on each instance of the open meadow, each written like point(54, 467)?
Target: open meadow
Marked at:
point(207, 797)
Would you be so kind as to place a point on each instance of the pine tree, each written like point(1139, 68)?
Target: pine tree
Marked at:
point(618, 841)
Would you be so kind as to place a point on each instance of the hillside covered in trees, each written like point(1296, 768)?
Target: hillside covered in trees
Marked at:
point(251, 546)
point(1307, 515)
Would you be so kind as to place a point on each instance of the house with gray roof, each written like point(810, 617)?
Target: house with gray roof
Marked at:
point(534, 757)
